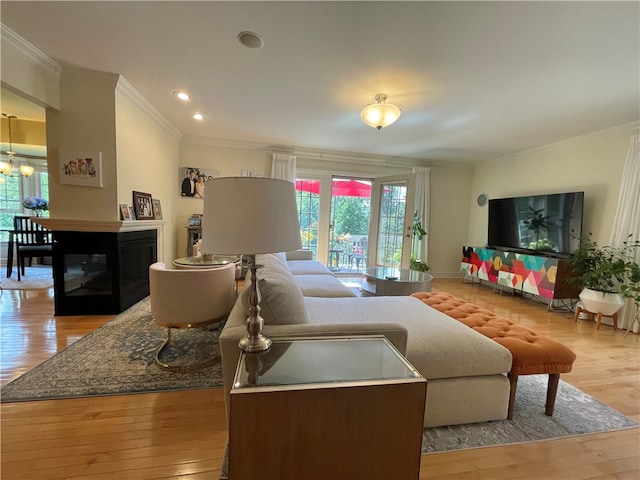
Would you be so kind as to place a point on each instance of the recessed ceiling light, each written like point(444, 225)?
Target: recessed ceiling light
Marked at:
point(182, 95)
point(250, 40)
point(198, 116)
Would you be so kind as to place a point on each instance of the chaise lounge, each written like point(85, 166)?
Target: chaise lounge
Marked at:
point(466, 371)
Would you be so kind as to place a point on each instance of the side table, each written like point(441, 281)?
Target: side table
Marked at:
point(216, 261)
point(332, 407)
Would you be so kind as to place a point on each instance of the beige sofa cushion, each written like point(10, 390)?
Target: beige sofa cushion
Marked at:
point(308, 267)
point(437, 346)
point(281, 299)
point(322, 286)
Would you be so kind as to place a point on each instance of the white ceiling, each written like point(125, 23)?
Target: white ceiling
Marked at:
point(474, 80)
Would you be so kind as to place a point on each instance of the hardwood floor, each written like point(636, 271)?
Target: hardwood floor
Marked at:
point(181, 435)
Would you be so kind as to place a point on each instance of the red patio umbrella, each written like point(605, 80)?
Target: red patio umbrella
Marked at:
point(351, 188)
point(339, 188)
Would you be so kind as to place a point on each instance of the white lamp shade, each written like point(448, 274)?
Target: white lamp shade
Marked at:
point(250, 215)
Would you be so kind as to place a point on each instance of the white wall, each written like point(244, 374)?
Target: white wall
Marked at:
point(450, 187)
point(591, 163)
point(85, 123)
point(147, 156)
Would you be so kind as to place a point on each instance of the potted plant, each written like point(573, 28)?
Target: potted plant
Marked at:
point(419, 233)
point(606, 274)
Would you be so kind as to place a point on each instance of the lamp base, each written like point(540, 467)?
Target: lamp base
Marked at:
point(257, 343)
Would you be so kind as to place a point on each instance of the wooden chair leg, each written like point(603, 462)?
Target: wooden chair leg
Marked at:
point(513, 382)
point(552, 390)
point(598, 320)
point(615, 321)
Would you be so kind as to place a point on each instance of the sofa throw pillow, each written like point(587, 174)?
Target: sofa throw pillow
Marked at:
point(281, 301)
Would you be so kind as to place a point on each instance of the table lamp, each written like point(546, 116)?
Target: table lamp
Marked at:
point(249, 216)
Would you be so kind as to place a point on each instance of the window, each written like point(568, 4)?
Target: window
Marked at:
point(308, 201)
point(14, 188)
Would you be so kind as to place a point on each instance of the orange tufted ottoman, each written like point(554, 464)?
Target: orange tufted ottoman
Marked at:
point(532, 353)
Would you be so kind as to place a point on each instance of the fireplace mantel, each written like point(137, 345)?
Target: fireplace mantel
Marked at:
point(110, 226)
point(91, 225)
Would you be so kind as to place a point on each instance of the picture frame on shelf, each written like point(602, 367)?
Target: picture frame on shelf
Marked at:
point(132, 212)
point(125, 214)
point(143, 205)
point(157, 209)
point(81, 168)
point(194, 220)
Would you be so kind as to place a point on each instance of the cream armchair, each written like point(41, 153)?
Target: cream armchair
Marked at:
point(190, 298)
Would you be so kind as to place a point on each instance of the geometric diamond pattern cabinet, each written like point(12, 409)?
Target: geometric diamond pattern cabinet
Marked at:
point(538, 275)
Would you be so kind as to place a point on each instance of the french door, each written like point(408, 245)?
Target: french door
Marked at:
point(392, 209)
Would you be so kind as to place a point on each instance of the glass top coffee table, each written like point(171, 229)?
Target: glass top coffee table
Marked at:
point(389, 281)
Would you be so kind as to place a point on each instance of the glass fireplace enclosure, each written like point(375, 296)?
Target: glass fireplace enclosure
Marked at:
point(101, 273)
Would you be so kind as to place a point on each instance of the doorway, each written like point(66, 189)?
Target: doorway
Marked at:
point(393, 204)
point(349, 224)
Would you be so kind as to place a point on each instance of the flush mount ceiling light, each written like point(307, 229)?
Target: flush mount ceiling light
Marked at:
point(250, 40)
point(380, 114)
point(198, 116)
point(182, 95)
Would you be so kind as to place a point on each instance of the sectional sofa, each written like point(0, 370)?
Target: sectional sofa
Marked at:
point(466, 371)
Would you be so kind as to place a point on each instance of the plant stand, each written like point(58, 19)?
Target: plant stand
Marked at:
point(580, 309)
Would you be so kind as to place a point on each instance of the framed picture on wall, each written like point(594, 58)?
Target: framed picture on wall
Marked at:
point(157, 209)
point(81, 168)
point(143, 205)
point(193, 181)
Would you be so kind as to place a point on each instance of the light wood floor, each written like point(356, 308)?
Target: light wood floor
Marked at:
point(181, 435)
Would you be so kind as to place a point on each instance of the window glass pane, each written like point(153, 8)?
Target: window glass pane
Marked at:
point(308, 200)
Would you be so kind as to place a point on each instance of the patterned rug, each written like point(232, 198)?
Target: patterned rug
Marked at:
point(118, 358)
point(575, 413)
point(37, 277)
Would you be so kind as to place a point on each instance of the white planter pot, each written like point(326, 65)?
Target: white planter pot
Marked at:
point(598, 302)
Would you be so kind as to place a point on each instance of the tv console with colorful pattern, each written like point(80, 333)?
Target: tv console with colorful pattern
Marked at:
point(545, 277)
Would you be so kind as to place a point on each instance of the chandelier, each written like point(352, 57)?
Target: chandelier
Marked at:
point(6, 169)
point(380, 114)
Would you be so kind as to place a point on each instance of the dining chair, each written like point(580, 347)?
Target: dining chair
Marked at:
point(30, 240)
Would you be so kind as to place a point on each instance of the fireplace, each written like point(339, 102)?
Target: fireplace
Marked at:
point(101, 273)
point(101, 267)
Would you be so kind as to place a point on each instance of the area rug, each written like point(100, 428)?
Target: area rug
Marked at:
point(117, 359)
point(37, 277)
point(575, 413)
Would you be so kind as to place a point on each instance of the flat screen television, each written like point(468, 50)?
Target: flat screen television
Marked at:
point(543, 224)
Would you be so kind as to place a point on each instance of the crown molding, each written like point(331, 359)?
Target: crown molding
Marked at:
point(629, 126)
point(128, 91)
point(30, 52)
point(320, 154)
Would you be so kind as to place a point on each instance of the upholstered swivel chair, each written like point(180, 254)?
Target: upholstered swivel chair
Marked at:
point(190, 298)
point(30, 240)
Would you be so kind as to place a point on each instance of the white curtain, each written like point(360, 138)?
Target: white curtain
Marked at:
point(423, 176)
point(283, 166)
point(627, 219)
